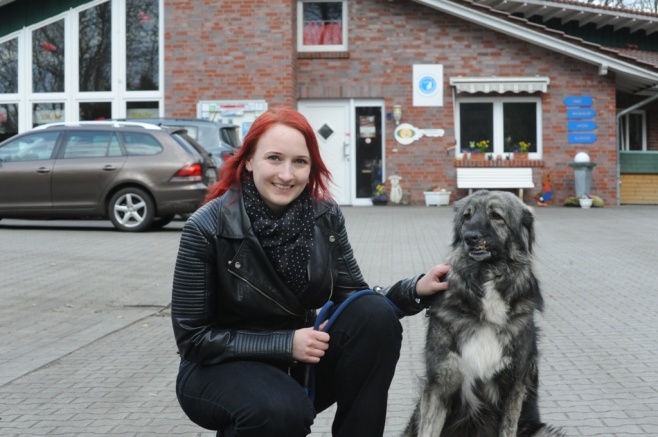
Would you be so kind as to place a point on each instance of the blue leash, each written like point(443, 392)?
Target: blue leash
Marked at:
point(309, 377)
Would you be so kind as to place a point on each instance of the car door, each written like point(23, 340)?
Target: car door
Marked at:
point(86, 165)
point(25, 172)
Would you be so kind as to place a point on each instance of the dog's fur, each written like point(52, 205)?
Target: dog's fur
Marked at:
point(481, 347)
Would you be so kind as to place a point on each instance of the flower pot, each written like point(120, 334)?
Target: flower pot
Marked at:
point(379, 202)
point(585, 203)
point(520, 156)
point(438, 198)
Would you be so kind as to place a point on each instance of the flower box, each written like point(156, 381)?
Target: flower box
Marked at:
point(438, 198)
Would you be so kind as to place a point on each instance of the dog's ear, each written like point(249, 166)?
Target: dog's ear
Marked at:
point(528, 222)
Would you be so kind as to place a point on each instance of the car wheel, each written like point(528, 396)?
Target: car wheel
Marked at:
point(160, 222)
point(131, 210)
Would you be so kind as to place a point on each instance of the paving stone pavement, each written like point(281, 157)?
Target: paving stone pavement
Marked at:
point(87, 347)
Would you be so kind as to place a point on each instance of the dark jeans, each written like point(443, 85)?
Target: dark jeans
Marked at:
point(249, 398)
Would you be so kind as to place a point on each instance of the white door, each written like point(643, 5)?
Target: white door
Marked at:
point(330, 121)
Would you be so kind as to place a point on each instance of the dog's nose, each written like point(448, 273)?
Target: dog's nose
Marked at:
point(472, 237)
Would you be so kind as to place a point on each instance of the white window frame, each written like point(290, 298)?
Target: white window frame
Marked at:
point(625, 133)
point(498, 132)
point(301, 47)
point(71, 97)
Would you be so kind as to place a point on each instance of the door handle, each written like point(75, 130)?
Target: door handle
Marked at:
point(43, 170)
point(109, 168)
point(346, 150)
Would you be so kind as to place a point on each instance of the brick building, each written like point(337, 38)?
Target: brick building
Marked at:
point(560, 76)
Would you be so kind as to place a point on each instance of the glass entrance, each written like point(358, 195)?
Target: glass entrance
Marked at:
point(368, 142)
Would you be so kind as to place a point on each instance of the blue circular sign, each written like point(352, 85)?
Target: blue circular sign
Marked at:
point(427, 85)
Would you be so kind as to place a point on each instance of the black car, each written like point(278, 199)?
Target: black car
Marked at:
point(219, 139)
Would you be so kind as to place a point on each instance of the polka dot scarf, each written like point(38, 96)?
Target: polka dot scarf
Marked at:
point(287, 240)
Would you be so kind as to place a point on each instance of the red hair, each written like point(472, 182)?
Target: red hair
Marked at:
point(234, 169)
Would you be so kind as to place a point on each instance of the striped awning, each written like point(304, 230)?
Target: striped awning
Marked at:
point(500, 85)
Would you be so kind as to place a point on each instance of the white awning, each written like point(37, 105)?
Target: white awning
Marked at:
point(500, 85)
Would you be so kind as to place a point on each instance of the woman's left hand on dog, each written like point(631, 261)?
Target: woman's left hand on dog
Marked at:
point(434, 281)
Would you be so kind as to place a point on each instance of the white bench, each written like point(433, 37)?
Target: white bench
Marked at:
point(494, 178)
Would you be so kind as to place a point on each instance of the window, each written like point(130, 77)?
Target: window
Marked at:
point(95, 48)
point(91, 144)
point(43, 113)
point(9, 66)
point(138, 144)
point(48, 58)
point(322, 26)
point(505, 123)
point(633, 131)
point(142, 45)
point(8, 120)
point(30, 147)
point(90, 111)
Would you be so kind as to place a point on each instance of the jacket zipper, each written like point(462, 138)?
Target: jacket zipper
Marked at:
point(265, 295)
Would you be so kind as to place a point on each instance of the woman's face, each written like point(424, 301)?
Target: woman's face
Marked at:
point(281, 166)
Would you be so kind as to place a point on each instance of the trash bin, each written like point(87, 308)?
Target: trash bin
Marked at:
point(582, 168)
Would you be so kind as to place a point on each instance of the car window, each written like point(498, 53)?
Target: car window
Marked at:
point(186, 145)
point(30, 147)
point(91, 144)
point(139, 144)
point(230, 136)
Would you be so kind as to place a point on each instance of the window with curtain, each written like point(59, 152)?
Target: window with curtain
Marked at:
point(323, 25)
point(504, 125)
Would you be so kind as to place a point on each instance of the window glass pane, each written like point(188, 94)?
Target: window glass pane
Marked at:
point(142, 109)
point(30, 147)
point(635, 130)
point(9, 66)
point(520, 127)
point(48, 58)
point(95, 111)
point(43, 113)
point(475, 125)
point(138, 144)
point(8, 121)
point(323, 23)
point(142, 32)
point(95, 53)
point(88, 144)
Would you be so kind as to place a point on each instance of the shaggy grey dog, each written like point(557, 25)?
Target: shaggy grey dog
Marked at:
point(481, 346)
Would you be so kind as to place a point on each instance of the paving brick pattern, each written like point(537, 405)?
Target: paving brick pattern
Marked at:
point(88, 347)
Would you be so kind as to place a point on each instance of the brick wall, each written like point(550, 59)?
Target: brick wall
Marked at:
point(387, 38)
point(246, 50)
point(228, 50)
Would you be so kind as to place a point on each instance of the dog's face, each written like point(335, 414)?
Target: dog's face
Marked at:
point(492, 225)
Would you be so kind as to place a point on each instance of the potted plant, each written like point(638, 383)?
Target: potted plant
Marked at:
point(585, 201)
point(521, 150)
point(379, 195)
point(479, 149)
point(437, 196)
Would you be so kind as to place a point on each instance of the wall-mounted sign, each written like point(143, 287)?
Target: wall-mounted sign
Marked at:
point(581, 113)
point(578, 101)
point(582, 138)
point(406, 134)
point(428, 85)
point(582, 125)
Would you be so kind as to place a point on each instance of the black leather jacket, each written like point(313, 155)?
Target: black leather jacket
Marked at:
point(228, 302)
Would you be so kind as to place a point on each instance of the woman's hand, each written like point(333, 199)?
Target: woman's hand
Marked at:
point(433, 282)
point(309, 345)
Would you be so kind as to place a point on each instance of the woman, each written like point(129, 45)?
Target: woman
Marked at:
point(267, 248)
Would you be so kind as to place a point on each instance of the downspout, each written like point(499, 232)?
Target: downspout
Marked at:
point(619, 133)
